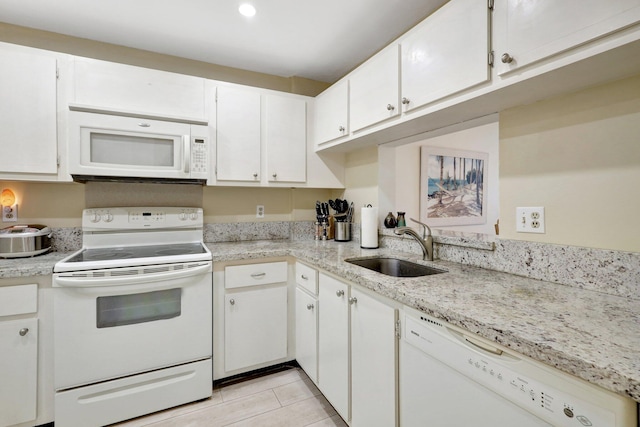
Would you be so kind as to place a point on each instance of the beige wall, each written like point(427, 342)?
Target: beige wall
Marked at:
point(401, 166)
point(109, 52)
point(55, 205)
point(60, 205)
point(578, 156)
point(361, 179)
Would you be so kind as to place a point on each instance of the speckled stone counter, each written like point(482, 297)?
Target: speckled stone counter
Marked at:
point(41, 265)
point(591, 335)
point(588, 334)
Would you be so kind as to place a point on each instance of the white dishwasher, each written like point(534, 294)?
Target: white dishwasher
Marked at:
point(450, 378)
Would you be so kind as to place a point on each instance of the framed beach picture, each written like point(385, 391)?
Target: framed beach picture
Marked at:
point(453, 186)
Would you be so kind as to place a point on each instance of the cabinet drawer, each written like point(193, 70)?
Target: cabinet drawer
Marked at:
point(22, 299)
point(307, 278)
point(239, 276)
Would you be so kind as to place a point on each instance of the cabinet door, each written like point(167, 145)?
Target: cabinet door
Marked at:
point(255, 327)
point(18, 370)
point(117, 87)
point(373, 370)
point(446, 53)
point(28, 139)
point(333, 343)
point(374, 89)
point(286, 138)
point(527, 32)
point(307, 333)
point(331, 113)
point(238, 135)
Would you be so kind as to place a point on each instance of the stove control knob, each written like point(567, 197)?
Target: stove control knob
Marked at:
point(182, 216)
point(107, 217)
point(193, 215)
point(94, 217)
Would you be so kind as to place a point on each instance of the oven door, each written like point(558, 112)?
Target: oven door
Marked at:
point(110, 327)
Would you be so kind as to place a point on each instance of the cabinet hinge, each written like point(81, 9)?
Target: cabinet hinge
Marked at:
point(58, 161)
point(490, 4)
point(57, 73)
point(491, 57)
point(398, 334)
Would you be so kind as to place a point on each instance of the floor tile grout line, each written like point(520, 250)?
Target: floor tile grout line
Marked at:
point(277, 409)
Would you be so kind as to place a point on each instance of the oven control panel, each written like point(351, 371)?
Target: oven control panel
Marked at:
point(141, 217)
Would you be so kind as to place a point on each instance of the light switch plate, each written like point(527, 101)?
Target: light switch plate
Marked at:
point(530, 220)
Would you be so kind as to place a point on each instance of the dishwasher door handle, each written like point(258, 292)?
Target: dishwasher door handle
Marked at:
point(483, 346)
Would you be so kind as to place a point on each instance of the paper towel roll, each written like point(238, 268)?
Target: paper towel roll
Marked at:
point(369, 228)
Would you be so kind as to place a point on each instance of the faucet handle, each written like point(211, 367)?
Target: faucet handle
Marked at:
point(425, 227)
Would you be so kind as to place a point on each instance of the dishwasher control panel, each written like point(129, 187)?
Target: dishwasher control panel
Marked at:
point(551, 395)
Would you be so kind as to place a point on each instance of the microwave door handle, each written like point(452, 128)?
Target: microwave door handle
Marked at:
point(89, 282)
point(187, 152)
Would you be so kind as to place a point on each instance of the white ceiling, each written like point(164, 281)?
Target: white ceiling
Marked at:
point(320, 40)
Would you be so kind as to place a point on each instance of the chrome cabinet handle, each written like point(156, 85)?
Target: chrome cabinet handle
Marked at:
point(274, 175)
point(341, 128)
point(144, 125)
point(339, 293)
point(506, 58)
point(405, 101)
point(390, 107)
point(255, 175)
point(258, 275)
point(309, 306)
point(303, 277)
point(232, 301)
point(353, 300)
point(23, 331)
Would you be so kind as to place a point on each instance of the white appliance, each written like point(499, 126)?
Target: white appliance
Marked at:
point(132, 316)
point(450, 378)
point(107, 147)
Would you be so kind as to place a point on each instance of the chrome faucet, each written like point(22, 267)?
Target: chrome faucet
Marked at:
point(425, 241)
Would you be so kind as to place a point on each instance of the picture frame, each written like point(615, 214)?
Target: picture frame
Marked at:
point(453, 186)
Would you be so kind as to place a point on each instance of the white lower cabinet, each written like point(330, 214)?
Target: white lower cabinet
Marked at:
point(18, 370)
point(307, 333)
point(333, 343)
point(373, 361)
point(251, 317)
point(357, 354)
point(18, 355)
point(255, 327)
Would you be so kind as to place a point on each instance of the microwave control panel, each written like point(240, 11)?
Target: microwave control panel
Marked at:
point(199, 157)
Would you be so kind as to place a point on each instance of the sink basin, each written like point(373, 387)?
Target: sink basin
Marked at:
point(395, 267)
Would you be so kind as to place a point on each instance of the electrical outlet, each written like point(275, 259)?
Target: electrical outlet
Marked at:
point(530, 220)
point(260, 211)
point(10, 213)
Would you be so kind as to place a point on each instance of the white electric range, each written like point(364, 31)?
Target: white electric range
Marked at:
point(132, 316)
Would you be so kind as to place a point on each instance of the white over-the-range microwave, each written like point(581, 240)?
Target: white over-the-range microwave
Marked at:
point(116, 148)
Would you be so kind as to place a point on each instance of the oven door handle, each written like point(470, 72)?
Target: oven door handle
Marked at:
point(89, 282)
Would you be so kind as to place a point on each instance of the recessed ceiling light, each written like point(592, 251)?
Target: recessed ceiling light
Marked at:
point(247, 10)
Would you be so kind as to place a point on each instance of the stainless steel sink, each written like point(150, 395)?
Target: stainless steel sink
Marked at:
point(395, 267)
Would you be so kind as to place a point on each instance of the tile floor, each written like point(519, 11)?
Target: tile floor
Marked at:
point(286, 398)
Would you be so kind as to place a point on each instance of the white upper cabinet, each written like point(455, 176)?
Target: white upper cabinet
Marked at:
point(125, 89)
point(374, 89)
point(446, 53)
point(28, 121)
point(238, 135)
point(285, 138)
point(530, 31)
point(332, 113)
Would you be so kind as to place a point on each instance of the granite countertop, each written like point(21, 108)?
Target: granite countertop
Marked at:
point(588, 334)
